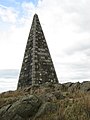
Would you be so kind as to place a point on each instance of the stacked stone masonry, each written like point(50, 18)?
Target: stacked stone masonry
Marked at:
point(37, 66)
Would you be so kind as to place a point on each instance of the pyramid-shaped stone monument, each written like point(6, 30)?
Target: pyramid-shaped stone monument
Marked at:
point(37, 66)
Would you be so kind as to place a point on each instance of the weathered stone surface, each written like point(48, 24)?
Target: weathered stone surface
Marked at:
point(85, 86)
point(37, 66)
point(24, 108)
point(61, 87)
point(46, 108)
point(3, 110)
point(68, 84)
point(72, 87)
point(28, 106)
point(48, 97)
point(58, 95)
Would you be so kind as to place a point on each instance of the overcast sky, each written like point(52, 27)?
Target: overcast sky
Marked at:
point(66, 25)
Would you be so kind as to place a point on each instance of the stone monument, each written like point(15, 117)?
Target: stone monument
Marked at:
point(37, 66)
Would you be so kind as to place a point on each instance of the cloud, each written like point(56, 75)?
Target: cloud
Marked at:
point(7, 14)
point(28, 7)
point(82, 45)
point(81, 9)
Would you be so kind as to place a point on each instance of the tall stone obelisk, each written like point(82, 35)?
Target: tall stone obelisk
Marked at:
point(37, 66)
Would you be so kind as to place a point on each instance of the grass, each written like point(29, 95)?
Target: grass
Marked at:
point(75, 106)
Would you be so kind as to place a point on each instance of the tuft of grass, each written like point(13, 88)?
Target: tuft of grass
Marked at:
point(75, 106)
point(10, 97)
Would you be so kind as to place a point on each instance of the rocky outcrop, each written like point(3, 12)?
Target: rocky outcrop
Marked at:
point(24, 108)
point(84, 86)
point(47, 102)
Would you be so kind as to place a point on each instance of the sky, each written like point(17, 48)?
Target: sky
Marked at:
point(66, 25)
